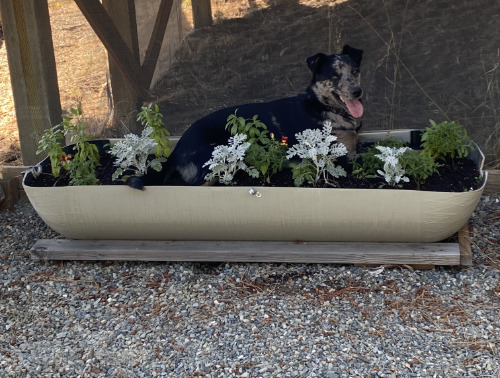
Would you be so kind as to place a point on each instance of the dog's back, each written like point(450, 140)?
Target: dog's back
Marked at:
point(283, 117)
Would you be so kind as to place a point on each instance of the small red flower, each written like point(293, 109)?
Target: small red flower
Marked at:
point(284, 141)
point(66, 158)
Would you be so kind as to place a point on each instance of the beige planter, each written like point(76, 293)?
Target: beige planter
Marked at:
point(232, 213)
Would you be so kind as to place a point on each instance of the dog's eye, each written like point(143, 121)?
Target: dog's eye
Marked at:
point(355, 72)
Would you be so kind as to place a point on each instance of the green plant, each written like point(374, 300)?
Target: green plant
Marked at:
point(51, 143)
point(302, 172)
point(446, 140)
point(82, 164)
point(254, 129)
point(149, 116)
point(265, 153)
point(419, 165)
point(269, 157)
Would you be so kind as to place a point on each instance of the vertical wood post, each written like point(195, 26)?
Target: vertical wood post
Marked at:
point(202, 13)
point(30, 53)
point(124, 96)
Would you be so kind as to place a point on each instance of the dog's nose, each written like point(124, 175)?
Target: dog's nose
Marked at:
point(357, 93)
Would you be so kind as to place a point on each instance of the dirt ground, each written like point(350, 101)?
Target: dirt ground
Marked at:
point(423, 60)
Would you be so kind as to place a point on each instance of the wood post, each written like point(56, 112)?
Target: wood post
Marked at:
point(30, 53)
point(156, 40)
point(202, 13)
point(117, 47)
point(123, 94)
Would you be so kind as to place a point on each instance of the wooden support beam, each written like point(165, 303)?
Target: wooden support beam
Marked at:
point(464, 243)
point(112, 40)
point(156, 40)
point(202, 13)
point(248, 251)
point(32, 66)
point(124, 96)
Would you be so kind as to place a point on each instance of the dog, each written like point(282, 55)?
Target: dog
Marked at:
point(334, 94)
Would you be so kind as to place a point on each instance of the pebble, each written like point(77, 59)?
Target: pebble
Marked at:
point(148, 319)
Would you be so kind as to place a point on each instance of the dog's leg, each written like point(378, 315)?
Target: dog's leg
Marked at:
point(349, 138)
point(211, 182)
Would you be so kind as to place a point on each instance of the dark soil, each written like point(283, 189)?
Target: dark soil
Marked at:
point(459, 176)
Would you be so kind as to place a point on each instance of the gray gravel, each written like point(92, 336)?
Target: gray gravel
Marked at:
point(129, 319)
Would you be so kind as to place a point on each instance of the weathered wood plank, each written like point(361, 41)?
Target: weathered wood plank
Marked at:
point(493, 183)
point(13, 171)
point(245, 251)
point(464, 244)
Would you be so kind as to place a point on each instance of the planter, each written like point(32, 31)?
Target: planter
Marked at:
point(271, 213)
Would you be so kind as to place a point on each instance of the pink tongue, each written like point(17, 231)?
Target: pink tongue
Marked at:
point(355, 108)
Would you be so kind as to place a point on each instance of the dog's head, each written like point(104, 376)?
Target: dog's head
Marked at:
point(336, 80)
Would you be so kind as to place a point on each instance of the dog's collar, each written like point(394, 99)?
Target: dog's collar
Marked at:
point(340, 111)
point(321, 108)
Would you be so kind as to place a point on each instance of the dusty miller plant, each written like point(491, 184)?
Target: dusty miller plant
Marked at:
point(228, 159)
point(132, 153)
point(393, 172)
point(319, 150)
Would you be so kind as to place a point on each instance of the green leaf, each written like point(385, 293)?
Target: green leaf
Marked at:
point(264, 167)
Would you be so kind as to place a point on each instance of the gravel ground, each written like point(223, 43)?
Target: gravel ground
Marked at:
point(129, 319)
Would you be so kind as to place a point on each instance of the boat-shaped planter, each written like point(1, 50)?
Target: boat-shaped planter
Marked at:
point(185, 213)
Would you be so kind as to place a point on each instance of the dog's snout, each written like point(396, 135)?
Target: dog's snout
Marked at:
point(357, 93)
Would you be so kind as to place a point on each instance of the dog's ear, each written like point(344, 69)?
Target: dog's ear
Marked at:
point(315, 61)
point(354, 54)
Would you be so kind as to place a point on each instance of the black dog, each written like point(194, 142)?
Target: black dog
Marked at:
point(333, 95)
